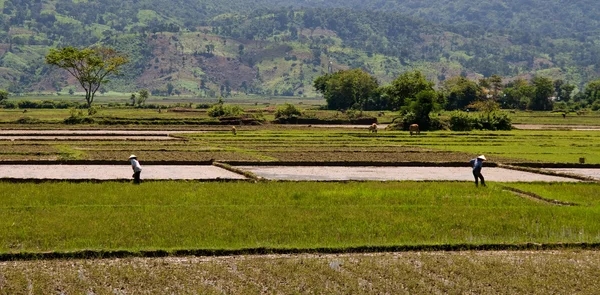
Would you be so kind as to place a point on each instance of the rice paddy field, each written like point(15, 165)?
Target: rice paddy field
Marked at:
point(278, 237)
point(117, 216)
point(310, 144)
point(87, 218)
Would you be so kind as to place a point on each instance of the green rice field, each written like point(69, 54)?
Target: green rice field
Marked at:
point(192, 215)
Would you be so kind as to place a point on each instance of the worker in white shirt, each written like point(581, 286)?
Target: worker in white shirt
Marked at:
point(137, 169)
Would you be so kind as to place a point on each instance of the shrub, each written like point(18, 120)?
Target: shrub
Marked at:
point(222, 110)
point(288, 111)
point(461, 121)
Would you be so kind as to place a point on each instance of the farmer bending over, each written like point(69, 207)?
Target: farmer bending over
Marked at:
point(477, 164)
point(137, 169)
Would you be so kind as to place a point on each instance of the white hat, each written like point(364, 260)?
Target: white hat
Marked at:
point(132, 157)
point(482, 157)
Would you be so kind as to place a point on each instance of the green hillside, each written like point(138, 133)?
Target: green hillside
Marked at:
point(210, 48)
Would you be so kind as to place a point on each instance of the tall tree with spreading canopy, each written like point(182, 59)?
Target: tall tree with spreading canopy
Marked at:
point(347, 89)
point(90, 66)
point(406, 87)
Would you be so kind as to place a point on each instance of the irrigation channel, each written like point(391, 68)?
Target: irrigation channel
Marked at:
point(290, 173)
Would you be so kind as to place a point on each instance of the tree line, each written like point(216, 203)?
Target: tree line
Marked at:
point(357, 89)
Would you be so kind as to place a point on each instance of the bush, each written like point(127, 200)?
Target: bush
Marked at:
point(461, 121)
point(288, 111)
point(46, 104)
point(498, 121)
point(221, 110)
point(439, 123)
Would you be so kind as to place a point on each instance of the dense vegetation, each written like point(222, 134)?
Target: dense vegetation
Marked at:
point(278, 47)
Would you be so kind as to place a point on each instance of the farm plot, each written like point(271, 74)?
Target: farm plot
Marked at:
point(396, 146)
point(325, 173)
point(240, 215)
point(303, 144)
point(501, 272)
point(114, 172)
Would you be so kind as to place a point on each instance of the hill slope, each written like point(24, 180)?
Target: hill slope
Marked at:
point(209, 48)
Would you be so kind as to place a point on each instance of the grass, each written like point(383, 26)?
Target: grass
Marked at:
point(542, 272)
point(191, 215)
point(585, 194)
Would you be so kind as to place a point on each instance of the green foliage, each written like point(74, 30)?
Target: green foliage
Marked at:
point(224, 110)
point(347, 89)
point(421, 107)
point(3, 95)
point(544, 89)
point(462, 121)
point(90, 66)
point(288, 111)
point(142, 97)
point(406, 87)
point(460, 92)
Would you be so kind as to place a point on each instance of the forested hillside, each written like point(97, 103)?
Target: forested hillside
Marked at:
point(279, 47)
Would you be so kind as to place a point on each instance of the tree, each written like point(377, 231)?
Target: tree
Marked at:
point(347, 89)
point(406, 87)
point(170, 88)
point(3, 95)
point(422, 105)
point(142, 97)
point(592, 91)
point(566, 91)
point(517, 94)
point(133, 99)
point(544, 88)
point(90, 66)
point(460, 92)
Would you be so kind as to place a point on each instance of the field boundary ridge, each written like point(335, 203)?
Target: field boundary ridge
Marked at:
point(109, 254)
point(538, 197)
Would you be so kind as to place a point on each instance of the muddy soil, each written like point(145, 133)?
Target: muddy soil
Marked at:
point(594, 173)
point(114, 172)
point(304, 173)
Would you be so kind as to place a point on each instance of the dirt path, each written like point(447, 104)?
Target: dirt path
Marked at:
point(113, 172)
point(396, 173)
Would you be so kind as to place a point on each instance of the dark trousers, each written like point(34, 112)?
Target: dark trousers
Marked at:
point(478, 175)
point(136, 177)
